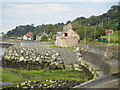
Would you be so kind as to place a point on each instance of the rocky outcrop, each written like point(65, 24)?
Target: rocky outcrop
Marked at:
point(24, 58)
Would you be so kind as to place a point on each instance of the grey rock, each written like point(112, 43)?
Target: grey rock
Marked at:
point(38, 58)
point(21, 59)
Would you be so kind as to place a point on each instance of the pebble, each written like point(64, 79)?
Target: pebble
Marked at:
point(21, 59)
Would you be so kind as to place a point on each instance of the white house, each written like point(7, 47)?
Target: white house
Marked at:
point(28, 36)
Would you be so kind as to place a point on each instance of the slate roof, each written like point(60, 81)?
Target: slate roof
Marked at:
point(40, 34)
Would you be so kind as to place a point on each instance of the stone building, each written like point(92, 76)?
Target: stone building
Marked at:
point(67, 37)
point(39, 36)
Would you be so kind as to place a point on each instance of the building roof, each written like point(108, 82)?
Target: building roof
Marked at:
point(66, 28)
point(64, 31)
point(40, 34)
point(29, 34)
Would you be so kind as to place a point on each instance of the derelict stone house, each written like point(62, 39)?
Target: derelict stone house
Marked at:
point(67, 37)
point(39, 36)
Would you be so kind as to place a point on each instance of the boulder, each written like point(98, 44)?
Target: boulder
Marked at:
point(77, 49)
point(21, 59)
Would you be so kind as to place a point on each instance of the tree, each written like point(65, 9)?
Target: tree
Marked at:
point(68, 22)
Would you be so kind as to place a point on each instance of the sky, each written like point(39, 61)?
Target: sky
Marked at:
point(37, 12)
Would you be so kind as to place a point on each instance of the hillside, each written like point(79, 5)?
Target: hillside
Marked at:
point(94, 26)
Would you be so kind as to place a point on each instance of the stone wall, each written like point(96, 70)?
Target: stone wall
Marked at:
point(106, 51)
point(66, 42)
point(97, 63)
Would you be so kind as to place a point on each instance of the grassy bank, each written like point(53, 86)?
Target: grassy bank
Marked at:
point(113, 37)
point(14, 75)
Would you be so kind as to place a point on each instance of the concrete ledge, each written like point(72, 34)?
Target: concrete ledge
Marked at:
point(98, 62)
point(110, 81)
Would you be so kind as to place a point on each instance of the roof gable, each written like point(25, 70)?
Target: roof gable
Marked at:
point(29, 34)
point(41, 34)
point(68, 29)
point(72, 31)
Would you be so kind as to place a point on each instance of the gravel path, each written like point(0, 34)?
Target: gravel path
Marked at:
point(69, 56)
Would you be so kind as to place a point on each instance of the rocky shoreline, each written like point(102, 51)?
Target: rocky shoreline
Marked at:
point(24, 58)
point(5, 45)
point(53, 84)
point(35, 59)
point(50, 58)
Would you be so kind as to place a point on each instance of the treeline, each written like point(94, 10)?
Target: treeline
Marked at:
point(93, 26)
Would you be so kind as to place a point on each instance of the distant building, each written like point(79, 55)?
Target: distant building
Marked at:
point(28, 36)
point(67, 37)
point(39, 36)
point(2, 35)
point(19, 38)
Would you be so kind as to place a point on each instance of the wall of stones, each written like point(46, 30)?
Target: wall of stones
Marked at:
point(97, 63)
point(66, 42)
point(106, 51)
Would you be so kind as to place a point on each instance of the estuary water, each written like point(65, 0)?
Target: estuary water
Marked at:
point(2, 50)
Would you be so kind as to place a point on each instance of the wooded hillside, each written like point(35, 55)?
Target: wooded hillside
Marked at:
point(93, 26)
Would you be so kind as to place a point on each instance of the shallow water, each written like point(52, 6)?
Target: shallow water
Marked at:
point(2, 50)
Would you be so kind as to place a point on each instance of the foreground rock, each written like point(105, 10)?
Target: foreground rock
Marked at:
point(24, 58)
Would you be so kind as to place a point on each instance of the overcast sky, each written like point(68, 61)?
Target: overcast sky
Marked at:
point(15, 13)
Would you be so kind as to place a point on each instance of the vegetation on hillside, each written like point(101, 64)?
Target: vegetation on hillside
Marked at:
point(93, 26)
point(113, 37)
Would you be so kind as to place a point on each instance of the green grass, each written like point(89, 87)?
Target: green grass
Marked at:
point(14, 75)
point(8, 76)
point(113, 37)
point(7, 86)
